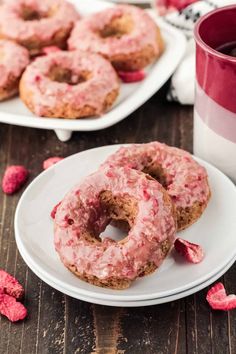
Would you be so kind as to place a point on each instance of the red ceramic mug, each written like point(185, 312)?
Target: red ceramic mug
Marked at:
point(215, 100)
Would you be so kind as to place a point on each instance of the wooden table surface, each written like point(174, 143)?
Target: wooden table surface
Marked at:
point(59, 324)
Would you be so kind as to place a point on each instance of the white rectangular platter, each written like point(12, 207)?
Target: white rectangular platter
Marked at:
point(131, 96)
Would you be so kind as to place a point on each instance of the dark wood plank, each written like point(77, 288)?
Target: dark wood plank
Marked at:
point(107, 328)
point(155, 329)
point(229, 278)
point(80, 334)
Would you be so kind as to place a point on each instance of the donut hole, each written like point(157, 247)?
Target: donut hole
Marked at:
point(156, 172)
point(30, 14)
point(118, 27)
point(121, 212)
point(116, 232)
point(65, 75)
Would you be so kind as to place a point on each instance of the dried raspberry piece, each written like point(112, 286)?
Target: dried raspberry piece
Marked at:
point(219, 300)
point(37, 78)
point(131, 76)
point(51, 161)
point(12, 309)
point(180, 4)
point(10, 285)
point(164, 7)
point(54, 210)
point(190, 251)
point(14, 177)
point(50, 49)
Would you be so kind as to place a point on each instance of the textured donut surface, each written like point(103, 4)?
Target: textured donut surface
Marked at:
point(119, 194)
point(37, 23)
point(13, 61)
point(184, 178)
point(69, 85)
point(124, 34)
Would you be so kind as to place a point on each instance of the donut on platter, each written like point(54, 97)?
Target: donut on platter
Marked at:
point(36, 24)
point(69, 85)
point(125, 35)
point(13, 61)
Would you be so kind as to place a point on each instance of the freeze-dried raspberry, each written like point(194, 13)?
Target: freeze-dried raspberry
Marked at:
point(190, 251)
point(180, 4)
point(12, 309)
point(54, 210)
point(50, 49)
point(164, 7)
point(219, 300)
point(10, 285)
point(14, 177)
point(51, 161)
point(131, 76)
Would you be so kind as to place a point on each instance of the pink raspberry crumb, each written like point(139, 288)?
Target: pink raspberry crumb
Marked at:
point(146, 195)
point(37, 78)
point(131, 76)
point(165, 7)
point(14, 177)
point(219, 300)
point(192, 252)
point(180, 4)
point(54, 210)
point(9, 285)
point(51, 161)
point(12, 309)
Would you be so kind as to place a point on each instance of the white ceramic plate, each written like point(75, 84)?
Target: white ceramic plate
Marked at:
point(131, 96)
point(215, 231)
point(157, 301)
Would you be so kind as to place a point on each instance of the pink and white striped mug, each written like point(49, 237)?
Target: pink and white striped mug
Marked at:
point(215, 100)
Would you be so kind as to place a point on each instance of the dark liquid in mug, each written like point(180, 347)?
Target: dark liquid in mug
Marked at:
point(228, 49)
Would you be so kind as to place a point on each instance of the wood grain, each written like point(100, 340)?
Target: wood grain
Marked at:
point(58, 324)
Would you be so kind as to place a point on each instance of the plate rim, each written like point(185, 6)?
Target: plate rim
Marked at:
point(138, 303)
point(115, 296)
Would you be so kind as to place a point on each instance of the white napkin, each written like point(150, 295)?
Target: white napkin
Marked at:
point(182, 82)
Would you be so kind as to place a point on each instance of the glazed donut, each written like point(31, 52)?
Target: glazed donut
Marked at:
point(36, 24)
point(69, 85)
point(124, 34)
point(184, 179)
point(13, 61)
point(114, 194)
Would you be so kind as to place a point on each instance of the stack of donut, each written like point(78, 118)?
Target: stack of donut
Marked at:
point(81, 81)
point(153, 190)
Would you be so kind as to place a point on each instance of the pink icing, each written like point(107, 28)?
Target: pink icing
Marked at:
point(85, 34)
point(154, 223)
point(14, 27)
point(46, 94)
point(13, 60)
point(186, 179)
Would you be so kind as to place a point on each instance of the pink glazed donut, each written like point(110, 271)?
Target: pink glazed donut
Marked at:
point(13, 61)
point(119, 194)
point(183, 178)
point(37, 23)
point(69, 85)
point(125, 35)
